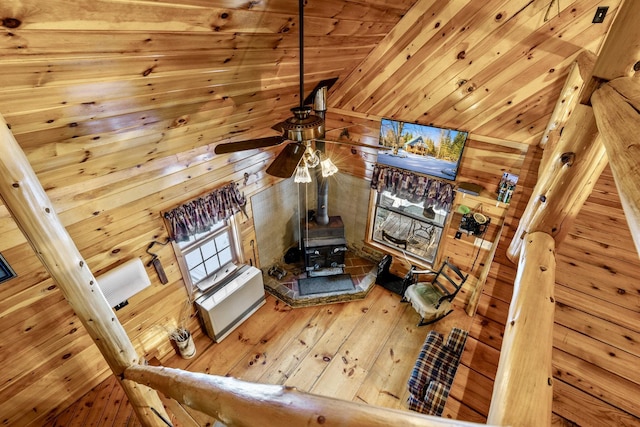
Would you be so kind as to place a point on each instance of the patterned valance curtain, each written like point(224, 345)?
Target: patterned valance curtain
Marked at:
point(435, 193)
point(200, 215)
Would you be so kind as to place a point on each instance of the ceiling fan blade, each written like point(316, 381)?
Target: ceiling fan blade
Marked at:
point(279, 126)
point(285, 164)
point(250, 144)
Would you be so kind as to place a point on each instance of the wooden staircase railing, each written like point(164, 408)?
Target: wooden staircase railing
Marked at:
point(240, 403)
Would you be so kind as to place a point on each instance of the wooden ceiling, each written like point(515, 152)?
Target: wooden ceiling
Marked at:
point(101, 69)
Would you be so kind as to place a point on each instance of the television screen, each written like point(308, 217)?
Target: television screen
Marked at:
point(420, 148)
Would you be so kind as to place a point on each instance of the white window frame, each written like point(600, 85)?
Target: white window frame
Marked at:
point(183, 249)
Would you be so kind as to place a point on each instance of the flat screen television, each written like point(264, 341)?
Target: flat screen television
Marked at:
point(420, 148)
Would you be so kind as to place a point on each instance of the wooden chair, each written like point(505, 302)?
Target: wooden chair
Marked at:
point(433, 299)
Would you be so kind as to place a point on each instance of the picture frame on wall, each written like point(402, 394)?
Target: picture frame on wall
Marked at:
point(506, 187)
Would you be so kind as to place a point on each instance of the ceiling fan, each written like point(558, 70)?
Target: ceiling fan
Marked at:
point(300, 129)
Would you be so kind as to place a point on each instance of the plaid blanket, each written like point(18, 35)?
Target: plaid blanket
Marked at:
point(434, 371)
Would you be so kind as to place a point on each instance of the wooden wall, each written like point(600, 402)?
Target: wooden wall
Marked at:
point(597, 324)
point(597, 312)
point(46, 353)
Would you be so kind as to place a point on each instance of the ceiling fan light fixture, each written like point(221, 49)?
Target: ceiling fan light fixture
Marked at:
point(302, 175)
point(328, 168)
point(303, 126)
point(311, 157)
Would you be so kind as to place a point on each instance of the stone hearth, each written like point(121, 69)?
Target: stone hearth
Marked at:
point(362, 271)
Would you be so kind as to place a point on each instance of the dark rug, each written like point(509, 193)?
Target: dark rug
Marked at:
point(325, 284)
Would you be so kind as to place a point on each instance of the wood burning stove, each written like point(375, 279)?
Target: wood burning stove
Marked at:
point(324, 247)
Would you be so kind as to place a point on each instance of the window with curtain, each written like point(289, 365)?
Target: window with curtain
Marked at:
point(204, 234)
point(410, 211)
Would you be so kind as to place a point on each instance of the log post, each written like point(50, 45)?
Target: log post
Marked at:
point(522, 391)
point(569, 177)
point(619, 123)
point(579, 72)
point(34, 214)
point(240, 403)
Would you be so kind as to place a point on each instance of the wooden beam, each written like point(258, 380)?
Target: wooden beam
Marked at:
point(35, 215)
point(562, 188)
point(579, 72)
point(621, 50)
point(241, 403)
point(620, 53)
point(619, 123)
point(522, 392)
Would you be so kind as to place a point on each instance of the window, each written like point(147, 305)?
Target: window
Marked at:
point(205, 255)
point(409, 211)
point(407, 226)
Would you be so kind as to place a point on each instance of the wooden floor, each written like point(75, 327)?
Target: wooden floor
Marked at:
point(361, 351)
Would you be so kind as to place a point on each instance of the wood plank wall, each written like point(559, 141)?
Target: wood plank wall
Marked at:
point(597, 325)
point(51, 360)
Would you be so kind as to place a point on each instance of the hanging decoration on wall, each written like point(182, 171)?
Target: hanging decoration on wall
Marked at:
point(506, 187)
point(436, 193)
point(155, 261)
point(201, 214)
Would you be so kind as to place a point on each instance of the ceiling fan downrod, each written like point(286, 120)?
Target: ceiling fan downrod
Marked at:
point(303, 126)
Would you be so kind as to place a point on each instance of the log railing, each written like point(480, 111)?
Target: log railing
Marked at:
point(522, 390)
point(240, 403)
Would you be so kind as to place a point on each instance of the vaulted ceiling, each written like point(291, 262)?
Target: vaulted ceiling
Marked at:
point(102, 68)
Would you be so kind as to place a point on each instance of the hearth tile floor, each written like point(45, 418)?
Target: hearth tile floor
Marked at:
point(362, 271)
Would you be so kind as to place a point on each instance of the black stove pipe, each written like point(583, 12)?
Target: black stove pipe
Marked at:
point(322, 214)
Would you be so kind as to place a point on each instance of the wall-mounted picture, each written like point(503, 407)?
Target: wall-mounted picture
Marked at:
point(506, 187)
point(424, 149)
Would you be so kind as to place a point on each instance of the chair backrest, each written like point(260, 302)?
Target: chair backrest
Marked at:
point(449, 281)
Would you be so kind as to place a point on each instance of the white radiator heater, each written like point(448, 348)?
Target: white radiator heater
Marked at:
point(231, 302)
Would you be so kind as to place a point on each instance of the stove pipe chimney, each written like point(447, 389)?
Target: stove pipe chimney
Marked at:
point(320, 108)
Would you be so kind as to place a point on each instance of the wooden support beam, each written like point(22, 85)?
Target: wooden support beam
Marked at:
point(33, 212)
point(579, 72)
point(240, 403)
point(619, 123)
point(569, 177)
point(620, 53)
point(522, 392)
